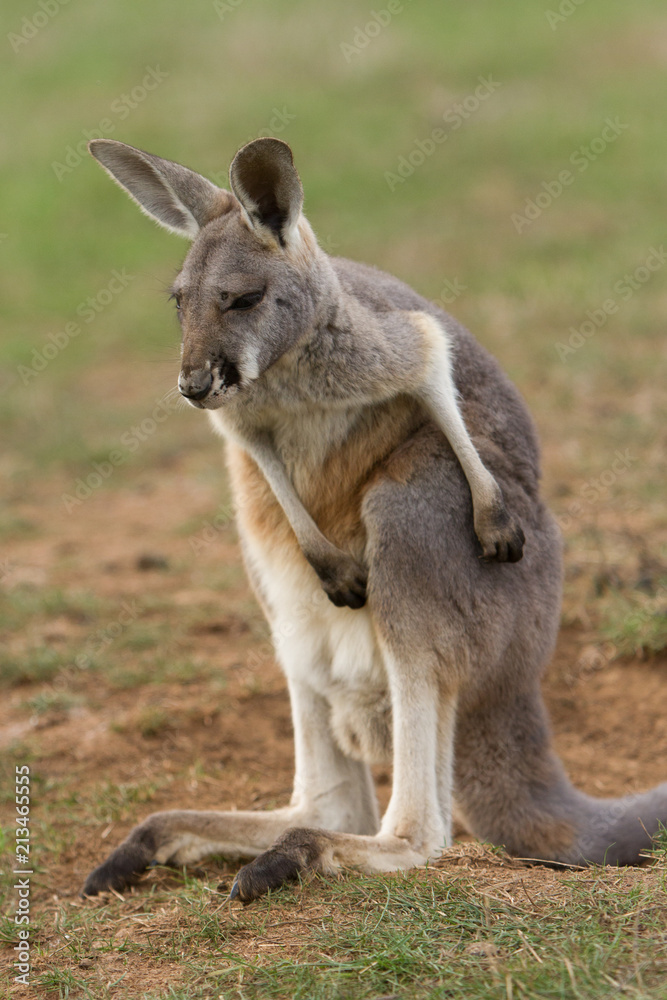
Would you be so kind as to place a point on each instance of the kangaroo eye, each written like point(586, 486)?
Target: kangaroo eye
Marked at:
point(247, 301)
point(177, 299)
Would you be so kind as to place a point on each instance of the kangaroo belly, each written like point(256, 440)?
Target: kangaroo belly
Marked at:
point(361, 724)
point(333, 650)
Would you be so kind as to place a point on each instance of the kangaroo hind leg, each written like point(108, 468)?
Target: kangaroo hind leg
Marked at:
point(417, 823)
point(329, 790)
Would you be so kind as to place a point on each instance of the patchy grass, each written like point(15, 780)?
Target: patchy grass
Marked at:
point(22, 604)
point(32, 667)
point(110, 801)
point(429, 937)
point(154, 721)
point(46, 702)
point(637, 626)
point(473, 925)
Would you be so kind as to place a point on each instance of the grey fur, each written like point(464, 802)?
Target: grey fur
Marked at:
point(440, 673)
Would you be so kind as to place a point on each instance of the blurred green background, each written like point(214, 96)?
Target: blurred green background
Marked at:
point(357, 92)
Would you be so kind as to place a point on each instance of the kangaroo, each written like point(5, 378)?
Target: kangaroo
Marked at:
point(369, 437)
point(407, 351)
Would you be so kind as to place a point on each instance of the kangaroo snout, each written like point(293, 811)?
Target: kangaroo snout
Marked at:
point(208, 387)
point(195, 384)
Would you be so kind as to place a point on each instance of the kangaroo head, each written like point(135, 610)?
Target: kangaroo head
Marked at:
point(252, 282)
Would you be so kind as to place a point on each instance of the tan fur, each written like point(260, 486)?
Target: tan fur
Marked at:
point(257, 509)
point(334, 493)
point(335, 496)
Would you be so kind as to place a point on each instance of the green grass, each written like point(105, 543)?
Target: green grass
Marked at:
point(37, 665)
point(637, 626)
point(110, 801)
point(99, 640)
point(20, 605)
point(424, 939)
point(363, 937)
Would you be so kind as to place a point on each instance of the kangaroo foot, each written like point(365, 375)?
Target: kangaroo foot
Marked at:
point(123, 866)
point(295, 853)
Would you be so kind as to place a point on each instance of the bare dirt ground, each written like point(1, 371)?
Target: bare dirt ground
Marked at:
point(217, 735)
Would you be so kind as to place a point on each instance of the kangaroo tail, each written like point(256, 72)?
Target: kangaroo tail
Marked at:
point(511, 789)
point(615, 831)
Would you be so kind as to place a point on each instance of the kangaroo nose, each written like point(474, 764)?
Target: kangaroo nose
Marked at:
point(196, 384)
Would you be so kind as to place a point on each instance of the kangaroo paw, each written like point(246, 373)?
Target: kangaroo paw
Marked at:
point(344, 582)
point(501, 537)
point(504, 545)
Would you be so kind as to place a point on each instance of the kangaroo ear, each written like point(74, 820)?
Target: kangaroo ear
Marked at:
point(264, 179)
point(179, 199)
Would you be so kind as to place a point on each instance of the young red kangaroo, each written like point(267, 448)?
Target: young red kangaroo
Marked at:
point(338, 389)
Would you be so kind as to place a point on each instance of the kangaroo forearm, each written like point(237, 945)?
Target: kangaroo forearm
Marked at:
point(313, 543)
point(342, 578)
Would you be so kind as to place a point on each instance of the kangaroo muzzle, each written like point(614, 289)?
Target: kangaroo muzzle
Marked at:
point(196, 384)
